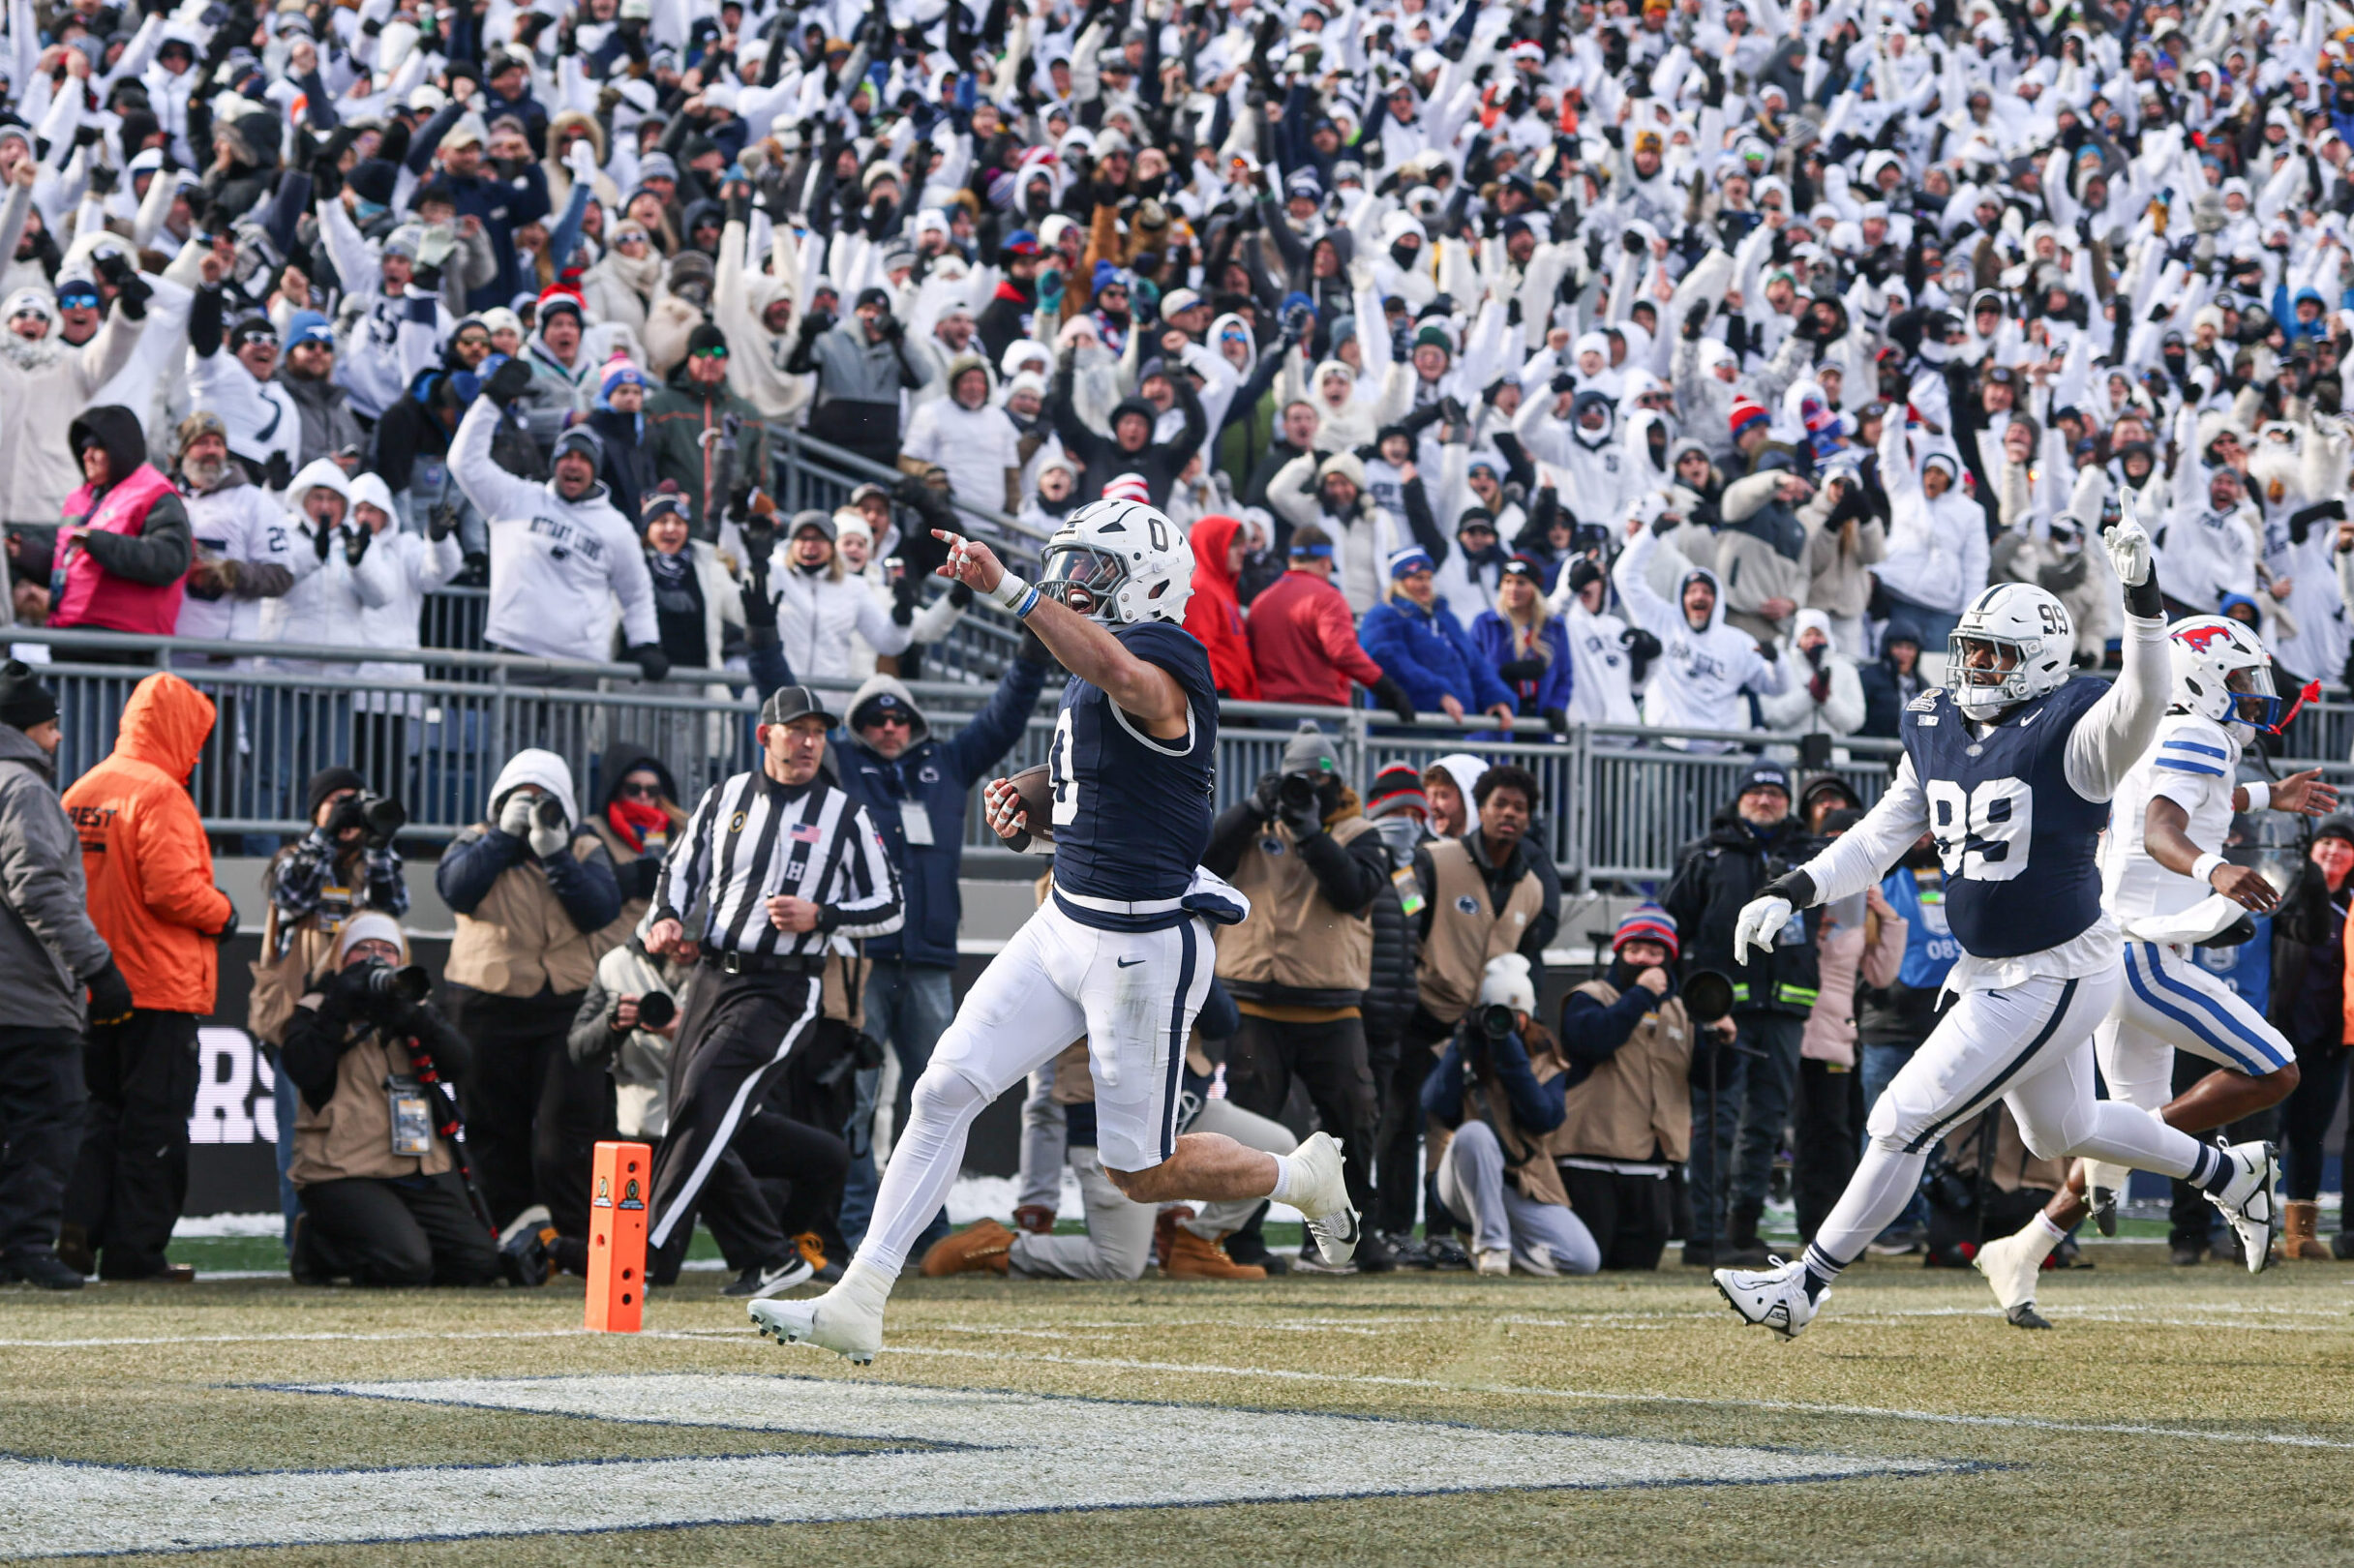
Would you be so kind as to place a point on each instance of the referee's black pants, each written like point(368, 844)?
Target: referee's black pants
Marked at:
point(734, 1040)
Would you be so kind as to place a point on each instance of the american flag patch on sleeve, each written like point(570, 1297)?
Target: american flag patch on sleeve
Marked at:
point(805, 833)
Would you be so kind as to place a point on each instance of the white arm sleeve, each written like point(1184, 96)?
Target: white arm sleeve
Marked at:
point(2117, 730)
point(1861, 855)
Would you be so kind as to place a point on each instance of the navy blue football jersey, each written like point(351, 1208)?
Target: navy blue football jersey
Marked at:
point(2016, 841)
point(1131, 814)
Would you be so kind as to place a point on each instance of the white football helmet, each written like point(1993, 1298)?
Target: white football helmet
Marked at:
point(2221, 673)
point(2033, 641)
point(1126, 560)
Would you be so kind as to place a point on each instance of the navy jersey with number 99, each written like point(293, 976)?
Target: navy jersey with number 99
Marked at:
point(1131, 814)
point(2014, 837)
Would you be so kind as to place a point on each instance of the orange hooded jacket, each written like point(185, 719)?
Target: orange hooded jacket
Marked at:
point(143, 851)
point(1214, 614)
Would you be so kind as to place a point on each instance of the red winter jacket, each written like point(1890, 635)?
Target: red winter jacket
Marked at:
point(1305, 643)
point(1214, 613)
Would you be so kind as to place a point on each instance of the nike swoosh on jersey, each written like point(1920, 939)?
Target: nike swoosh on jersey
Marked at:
point(1127, 963)
point(2029, 718)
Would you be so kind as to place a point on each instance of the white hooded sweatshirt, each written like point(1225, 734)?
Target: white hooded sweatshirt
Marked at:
point(556, 564)
point(1698, 680)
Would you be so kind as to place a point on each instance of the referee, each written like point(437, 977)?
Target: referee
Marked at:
point(778, 867)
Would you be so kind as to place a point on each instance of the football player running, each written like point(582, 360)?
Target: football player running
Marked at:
point(2010, 768)
point(1121, 953)
point(2168, 888)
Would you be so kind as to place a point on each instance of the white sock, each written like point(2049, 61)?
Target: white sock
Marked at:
point(865, 1283)
point(2043, 1235)
point(1283, 1178)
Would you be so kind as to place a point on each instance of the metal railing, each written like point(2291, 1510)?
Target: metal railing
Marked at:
point(1618, 803)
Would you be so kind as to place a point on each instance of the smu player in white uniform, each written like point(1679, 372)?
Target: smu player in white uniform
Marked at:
point(2169, 890)
point(1122, 951)
point(2011, 769)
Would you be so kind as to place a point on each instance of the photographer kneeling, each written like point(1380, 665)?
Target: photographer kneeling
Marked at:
point(383, 1200)
point(1500, 1086)
point(1627, 1107)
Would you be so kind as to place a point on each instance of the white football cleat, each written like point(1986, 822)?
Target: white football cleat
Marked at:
point(843, 1326)
point(2251, 1202)
point(1493, 1260)
point(1773, 1298)
point(2010, 1266)
point(1320, 1193)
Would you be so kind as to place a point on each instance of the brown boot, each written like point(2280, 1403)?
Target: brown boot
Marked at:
point(1165, 1225)
point(978, 1249)
point(2299, 1239)
point(1196, 1257)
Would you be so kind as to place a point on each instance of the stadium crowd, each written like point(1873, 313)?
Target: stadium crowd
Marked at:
point(1688, 365)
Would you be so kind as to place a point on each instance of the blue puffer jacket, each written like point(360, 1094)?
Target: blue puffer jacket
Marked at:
point(938, 775)
point(1427, 652)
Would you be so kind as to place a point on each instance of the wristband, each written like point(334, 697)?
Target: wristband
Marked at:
point(1015, 596)
point(2205, 868)
point(2259, 794)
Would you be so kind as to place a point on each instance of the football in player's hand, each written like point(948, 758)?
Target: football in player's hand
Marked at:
point(1037, 794)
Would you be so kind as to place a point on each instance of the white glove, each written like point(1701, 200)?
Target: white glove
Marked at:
point(1756, 926)
point(436, 247)
point(2130, 549)
point(548, 840)
point(515, 817)
point(580, 159)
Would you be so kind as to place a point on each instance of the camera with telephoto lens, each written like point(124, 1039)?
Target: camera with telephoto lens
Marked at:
point(655, 1011)
point(1297, 793)
point(548, 812)
point(384, 817)
point(388, 990)
point(1496, 1021)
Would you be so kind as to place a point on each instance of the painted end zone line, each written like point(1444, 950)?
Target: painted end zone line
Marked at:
point(725, 1336)
point(953, 1452)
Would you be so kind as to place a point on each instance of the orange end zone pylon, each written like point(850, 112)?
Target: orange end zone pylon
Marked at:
point(620, 1176)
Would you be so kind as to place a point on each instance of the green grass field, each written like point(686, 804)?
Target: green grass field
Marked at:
point(2173, 1416)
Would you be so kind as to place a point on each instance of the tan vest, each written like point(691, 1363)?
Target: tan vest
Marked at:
point(519, 938)
point(1466, 930)
point(1637, 1105)
point(353, 1135)
point(279, 983)
point(1527, 1157)
point(1075, 1081)
point(1294, 938)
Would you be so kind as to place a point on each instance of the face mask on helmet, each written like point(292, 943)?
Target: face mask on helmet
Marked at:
point(2012, 646)
point(1085, 580)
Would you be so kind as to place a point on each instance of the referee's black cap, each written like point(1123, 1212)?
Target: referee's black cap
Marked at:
point(788, 703)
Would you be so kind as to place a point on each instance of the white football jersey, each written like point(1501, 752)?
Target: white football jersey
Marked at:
point(2195, 762)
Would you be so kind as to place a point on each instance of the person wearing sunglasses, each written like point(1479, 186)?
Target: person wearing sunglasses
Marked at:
point(235, 364)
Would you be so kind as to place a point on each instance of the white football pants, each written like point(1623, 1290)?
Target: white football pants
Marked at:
point(2030, 1047)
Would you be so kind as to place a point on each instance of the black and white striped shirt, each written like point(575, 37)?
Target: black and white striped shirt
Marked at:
point(751, 840)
